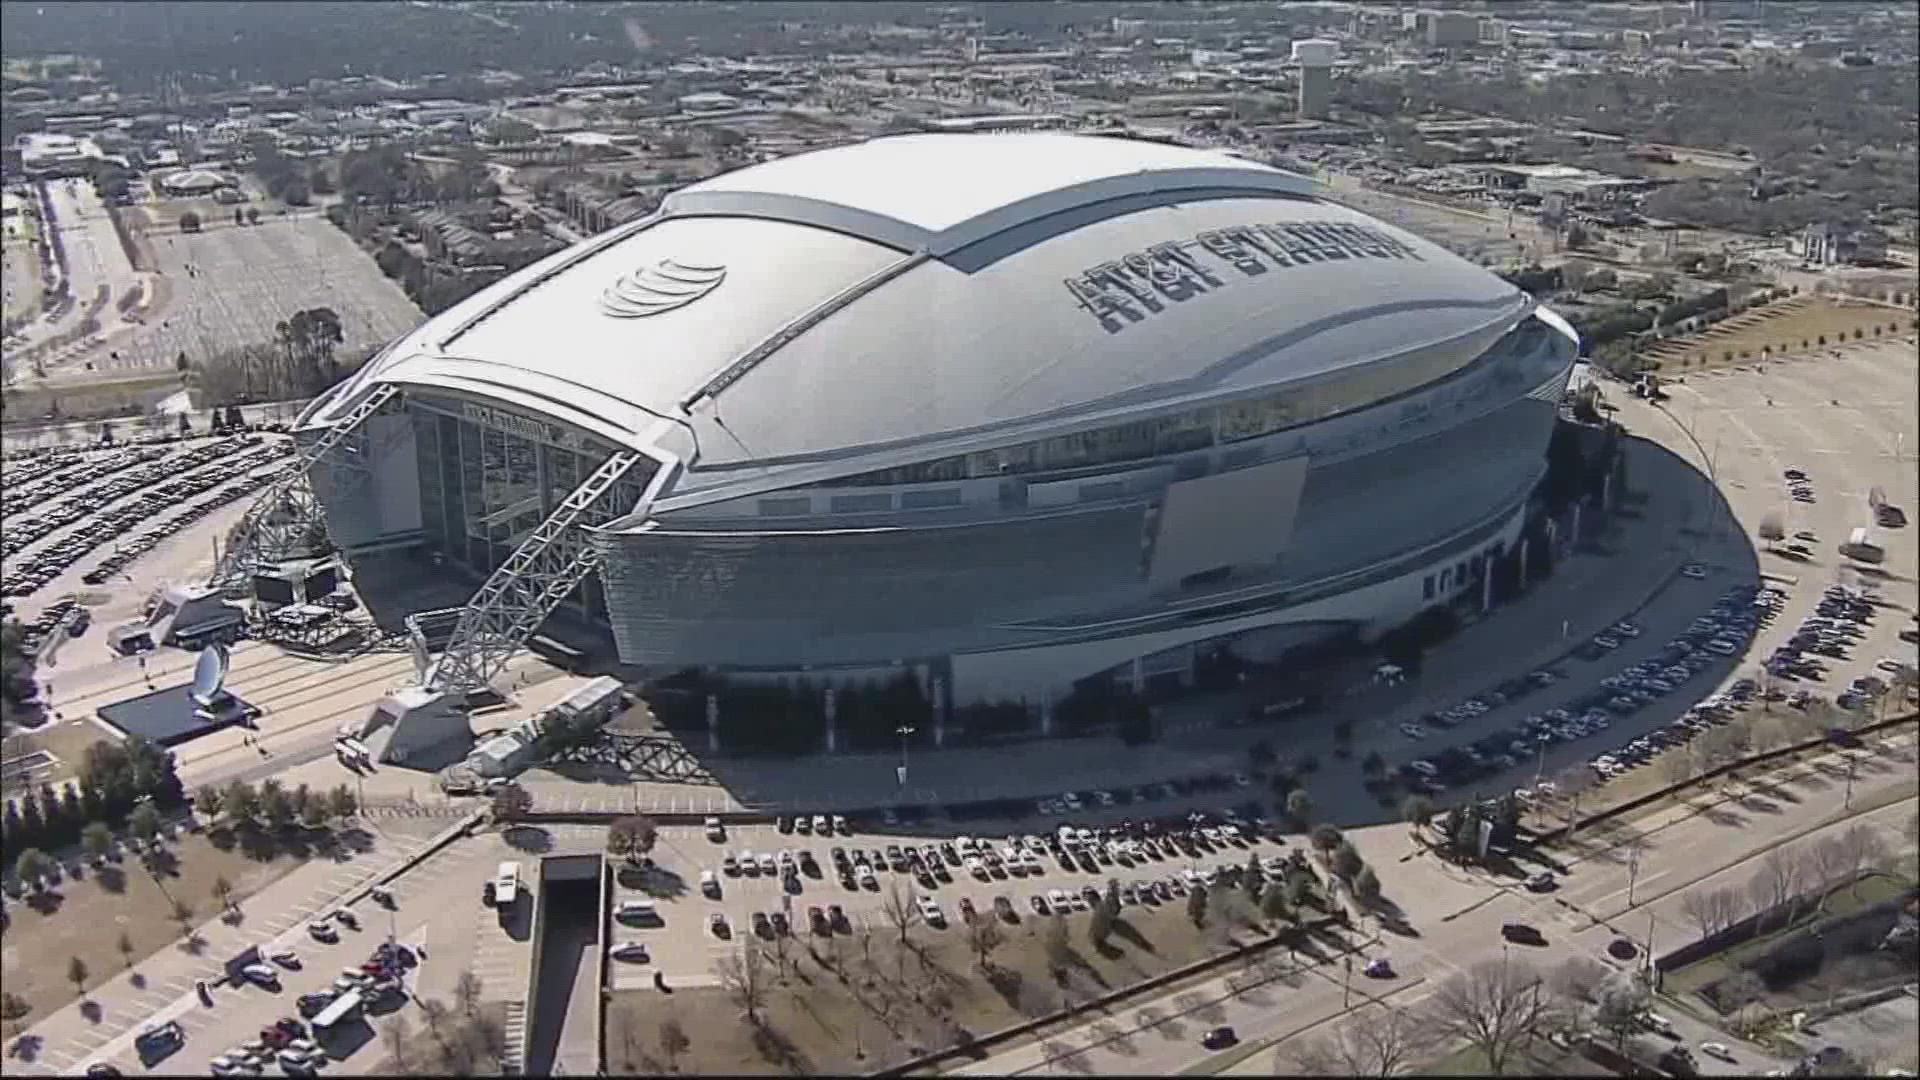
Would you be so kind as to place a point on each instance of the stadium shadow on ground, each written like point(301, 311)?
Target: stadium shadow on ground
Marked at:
point(1661, 486)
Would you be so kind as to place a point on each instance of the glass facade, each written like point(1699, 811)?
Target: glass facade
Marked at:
point(1213, 425)
point(486, 482)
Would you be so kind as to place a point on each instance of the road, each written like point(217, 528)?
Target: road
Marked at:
point(1461, 927)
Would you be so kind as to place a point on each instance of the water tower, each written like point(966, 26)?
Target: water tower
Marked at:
point(1315, 57)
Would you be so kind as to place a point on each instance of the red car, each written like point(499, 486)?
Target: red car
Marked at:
point(274, 1037)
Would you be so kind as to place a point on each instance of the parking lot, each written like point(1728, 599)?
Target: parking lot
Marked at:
point(761, 878)
point(231, 286)
point(133, 496)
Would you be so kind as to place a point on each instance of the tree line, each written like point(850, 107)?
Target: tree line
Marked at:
point(19, 689)
point(116, 779)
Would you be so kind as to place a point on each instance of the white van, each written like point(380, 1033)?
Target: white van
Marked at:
point(506, 884)
point(1660, 1025)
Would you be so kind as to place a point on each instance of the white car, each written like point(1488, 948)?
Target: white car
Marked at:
point(262, 974)
point(636, 910)
point(709, 884)
point(974, 866)
point(1626, 629)
point(749, 863)
point(716, 832)
point(767, 865)
point(1071, 801)
point(1413, 731)
point(1718, 1050)
point(1605, 642)
point(1888, 663)
point(632, 951)
point(930, 911)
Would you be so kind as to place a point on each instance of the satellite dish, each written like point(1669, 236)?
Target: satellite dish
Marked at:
point(209, 674)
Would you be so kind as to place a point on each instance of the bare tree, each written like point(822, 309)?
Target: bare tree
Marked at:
point(744, 977)
point(1494, 1006)
point(1058, 946)
point(1620, 1006)
point(466, 991)
point(1710, 910)
point(1383, 1041)
point(1861, 848)
point(1779, 880)
point(899, 906)
point(1571, 784)
point(1577, 978)
point(983, 937)
point(673, 1042)
point(397, 1034)
point(1676, 766)
point(1826, 863)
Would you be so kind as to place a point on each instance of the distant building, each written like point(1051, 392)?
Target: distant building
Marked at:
point(194, 183)
point(708, 103)
point(428, 113)
point(1316, 58)
point(1452, 29)
point(1832, 244)
point(46, 154)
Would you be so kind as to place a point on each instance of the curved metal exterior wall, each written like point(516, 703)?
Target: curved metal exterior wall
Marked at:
point(1438, 467)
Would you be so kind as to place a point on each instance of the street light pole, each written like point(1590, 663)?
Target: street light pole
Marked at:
point(904, 730)
point(1849, 800)
point(1633, 869)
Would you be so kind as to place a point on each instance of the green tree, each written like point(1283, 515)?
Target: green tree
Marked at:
point(275, 804)
point(1299, 887)
point(1197, 905)
point(1366, 885)
point(31, 865)
point(144, 821)
point(1273, 903)
point(342, 803)
point(1416, 811)
point(206, 801)
point(223, 891)
point(77, 975)
point(1300, 808)
point(14, 1010)
point(1325, 838)
point(511, 803)
point(1346, 860)
point(97, 839)
point(241, 803)
point(1250, 877)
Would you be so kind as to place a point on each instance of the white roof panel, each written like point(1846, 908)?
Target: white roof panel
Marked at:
point(864, 298)
point(935, 182)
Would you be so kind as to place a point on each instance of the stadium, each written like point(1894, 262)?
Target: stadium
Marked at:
point(1007, 411)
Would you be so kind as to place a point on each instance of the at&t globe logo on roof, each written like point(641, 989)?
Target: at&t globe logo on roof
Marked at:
point(661, 287)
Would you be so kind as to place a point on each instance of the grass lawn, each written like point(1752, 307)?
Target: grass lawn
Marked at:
point(85, 917)
point(66, 740)
point(860, 1003)
point(1783, 332)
